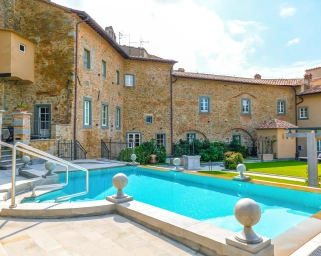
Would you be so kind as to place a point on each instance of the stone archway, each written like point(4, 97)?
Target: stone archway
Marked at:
point(247, 139)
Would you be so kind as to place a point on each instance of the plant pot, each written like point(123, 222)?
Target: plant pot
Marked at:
point(152, 159)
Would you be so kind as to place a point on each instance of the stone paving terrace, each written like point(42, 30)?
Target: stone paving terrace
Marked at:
point(102, 235)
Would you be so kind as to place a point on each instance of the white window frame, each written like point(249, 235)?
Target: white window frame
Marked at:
point(136, 136)
point(303, 113)
point(104, 115)
point(204, 104)
point(129, 80)
point(281, 107)
point(87, 113)
point(319, 145)
point(246, 106)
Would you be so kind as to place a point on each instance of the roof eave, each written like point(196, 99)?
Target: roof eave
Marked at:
point(223, 80)
point(153, 60)
point(95, 26)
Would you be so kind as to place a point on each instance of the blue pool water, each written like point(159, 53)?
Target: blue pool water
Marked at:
point(203, 198)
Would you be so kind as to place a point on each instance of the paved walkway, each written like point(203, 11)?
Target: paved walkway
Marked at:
point(101, 235)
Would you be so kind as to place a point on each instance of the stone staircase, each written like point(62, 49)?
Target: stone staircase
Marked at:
point(6, 159)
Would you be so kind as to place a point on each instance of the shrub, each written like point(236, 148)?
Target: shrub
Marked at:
point(143, 152)
point(125, 154)
point(236, 147)
point(232, 159)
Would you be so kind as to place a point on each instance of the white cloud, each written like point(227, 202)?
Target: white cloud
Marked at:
point(286, 12)
point(191, 34)
point(294, 41)
point(181, 30)
point(241, 27)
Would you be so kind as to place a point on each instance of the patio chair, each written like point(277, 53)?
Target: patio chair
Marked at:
point(11, 131)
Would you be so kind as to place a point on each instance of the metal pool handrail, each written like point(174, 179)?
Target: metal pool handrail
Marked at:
point(38, 153)
point(60, 161)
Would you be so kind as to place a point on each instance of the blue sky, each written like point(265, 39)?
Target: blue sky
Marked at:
point(226, 37)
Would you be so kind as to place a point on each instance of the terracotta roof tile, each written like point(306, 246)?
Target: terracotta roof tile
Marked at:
point(313, 90)
point(276, 123)
point(312, 68)
point(152, 58)
point(284, 82)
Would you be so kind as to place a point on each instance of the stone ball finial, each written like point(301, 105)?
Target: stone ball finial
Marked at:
point(177, 161)
point(248, 213)
point(241, 168)
point(26, 159)
point(120, 181)
point(133, 157)
point(50, 166)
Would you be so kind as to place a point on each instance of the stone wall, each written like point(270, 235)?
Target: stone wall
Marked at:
point(225, 118)
point(53, 30)
point(150, 96)
point(48, 146)
point(8, 19)
point(61, 131)
point(98, 89)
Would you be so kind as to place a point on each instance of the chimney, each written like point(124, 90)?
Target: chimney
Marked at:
point(307, 80)
point(257, 76)
point(181, 70)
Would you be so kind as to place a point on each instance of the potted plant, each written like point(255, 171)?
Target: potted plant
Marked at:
point(21, 107)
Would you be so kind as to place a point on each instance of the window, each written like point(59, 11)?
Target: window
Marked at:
point(319, 145)
point(246, 106)
point(87, 113)
point(204, 104)
point(161, 139)
point(237, 139)
point(41, 128)
point(133, 139)
point(303, 113)
point(103, 68)
point(104, 115)
point(117, 77)
point(227, 140)
point(22, 48)
point(118, 118)
point(190, 136)
point(86, 59)
point(149, 119)
point(281, 107)
point(129, 80)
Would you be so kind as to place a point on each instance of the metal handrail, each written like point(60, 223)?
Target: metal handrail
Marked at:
point(38, 153)
point(81, 148)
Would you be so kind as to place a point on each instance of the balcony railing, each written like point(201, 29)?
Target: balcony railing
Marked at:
point(40, 129)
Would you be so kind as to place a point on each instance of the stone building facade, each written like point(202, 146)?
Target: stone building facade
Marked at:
point(125, 93)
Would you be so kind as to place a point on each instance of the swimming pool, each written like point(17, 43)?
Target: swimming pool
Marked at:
point(203, 198)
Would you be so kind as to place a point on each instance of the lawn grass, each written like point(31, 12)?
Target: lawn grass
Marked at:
point(255, 177)
point(287, 168)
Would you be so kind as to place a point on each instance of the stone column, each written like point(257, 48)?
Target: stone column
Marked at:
point(1, 111)
point(21, 122)
point(312, 160)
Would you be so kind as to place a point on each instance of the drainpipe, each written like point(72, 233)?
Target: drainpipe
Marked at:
point(76, 83)
point(171, 99)
point(296, 114)
point(171, 96)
